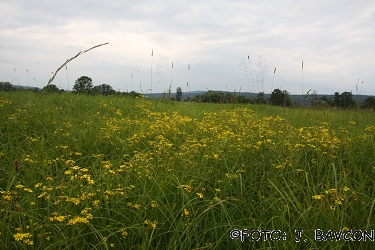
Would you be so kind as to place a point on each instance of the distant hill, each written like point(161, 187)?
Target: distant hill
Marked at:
point(24, 87)
point(297, 98)
point(173, 94)
point(191, 94)
point(30, 87)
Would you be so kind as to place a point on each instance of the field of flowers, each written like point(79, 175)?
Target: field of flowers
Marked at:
point(79, 172)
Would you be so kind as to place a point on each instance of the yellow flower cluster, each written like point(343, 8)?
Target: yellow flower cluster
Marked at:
point(78, 219)
point(24, 237)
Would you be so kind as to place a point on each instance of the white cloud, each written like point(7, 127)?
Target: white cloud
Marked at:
point(333, 38)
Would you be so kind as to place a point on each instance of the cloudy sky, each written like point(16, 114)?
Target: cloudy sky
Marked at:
point(335, 40)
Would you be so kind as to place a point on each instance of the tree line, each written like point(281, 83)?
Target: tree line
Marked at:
point(281, 98)
point(83, 85)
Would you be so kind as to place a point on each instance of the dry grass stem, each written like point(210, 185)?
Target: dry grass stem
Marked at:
point(67, 61)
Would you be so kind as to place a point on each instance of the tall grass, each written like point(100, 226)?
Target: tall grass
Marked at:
point(96, 172)
point(152, 60)
point(274, 71)
point(303, 101)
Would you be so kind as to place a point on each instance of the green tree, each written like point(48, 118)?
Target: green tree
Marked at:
point(196, 98)
point(83, 85)
point(242, 99)
point(347, 100)
point(51, 88)
point(260, 98)
point(277, 98)
point(187, 99)
point(135, 94)
point(289, 101)
point(6, 86)
point(337, 100)
point(103, 89)
point(228, 97)
point(95, 90)
point(369, 103)
point(281, 98)
point(212, 96)
point(178, 94)
point(325, 99)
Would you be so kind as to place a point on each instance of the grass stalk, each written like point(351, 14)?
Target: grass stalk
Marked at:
point(28, 77)
point(18, 83)
point(274, 71)
point(303, 101)
point(70, 59)
point(335, 175)
point(171, 77)
point(67, 77)
point(152, 60)
point(189, 78)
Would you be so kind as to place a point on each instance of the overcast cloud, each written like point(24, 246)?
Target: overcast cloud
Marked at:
point(335, 40)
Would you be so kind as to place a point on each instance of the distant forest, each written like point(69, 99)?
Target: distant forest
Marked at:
point(278, 97)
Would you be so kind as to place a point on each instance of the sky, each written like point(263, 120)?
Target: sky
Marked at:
point(213, 45)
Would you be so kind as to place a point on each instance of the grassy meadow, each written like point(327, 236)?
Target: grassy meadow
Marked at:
point(93, 172)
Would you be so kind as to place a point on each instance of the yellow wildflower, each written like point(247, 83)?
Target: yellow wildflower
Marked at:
point(124, 233)
point(186, 212)
point(318, 197)
point(18, 236)
point(153, 224)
